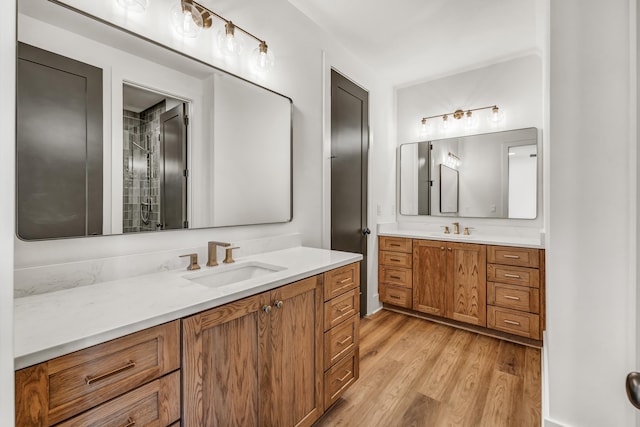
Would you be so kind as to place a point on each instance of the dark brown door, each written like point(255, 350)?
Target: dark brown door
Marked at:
point(173, 159)
point(349, 154)
point(59, 146)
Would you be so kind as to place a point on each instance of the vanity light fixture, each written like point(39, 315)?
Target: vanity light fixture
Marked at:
point(496, 116)
point(189, 17)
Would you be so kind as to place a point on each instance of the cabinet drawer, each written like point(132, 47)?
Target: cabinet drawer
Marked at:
point(340, 340)
point(520, 257)
point(340, 377)
point(341, 308)
point(395, 276)
point(402, 297)
point(156, 404)
point(395, 259)
point(513, 296)
point(70, 384)
point(513, 275)
point(395, 244)
point(514, 322)
point(341, 280)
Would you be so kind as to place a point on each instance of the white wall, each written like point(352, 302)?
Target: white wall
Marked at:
point(7, 154)
point(514, 85)
point(591, 252)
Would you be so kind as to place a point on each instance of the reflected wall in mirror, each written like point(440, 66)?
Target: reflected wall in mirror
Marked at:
point(491, 175)
point(163, 141)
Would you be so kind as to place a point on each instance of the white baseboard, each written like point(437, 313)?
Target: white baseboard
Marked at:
point(549, 423)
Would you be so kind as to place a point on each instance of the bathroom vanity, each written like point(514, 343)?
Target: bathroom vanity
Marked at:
point(165, 349)
point(494, 288)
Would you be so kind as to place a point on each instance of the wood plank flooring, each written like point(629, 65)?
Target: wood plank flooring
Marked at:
point(418, 373)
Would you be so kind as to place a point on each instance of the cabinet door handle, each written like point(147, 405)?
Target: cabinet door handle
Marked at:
point(266, 309)
point(343, 308)
point(511, 256)
point(512, 276)
point(278, 304)
point(345, 280)
point(130, 422)
point(512, 297)
point(90, 380)
point(347, 375)
point(450, 249)
point(344, 341)
point(511, 322)
point(442, 248)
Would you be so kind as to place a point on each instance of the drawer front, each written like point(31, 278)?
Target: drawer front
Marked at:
point(402, 277)
point(520, 257)
point(514, 297)
point(340, 340)
point(341, 308)
point(341, 280)
point(394, 295)
point(340, 377)
point(513, 275)
point(395, 259)
point(514, 322)
point(396, 244)
point(86, 378)
point(154, 404)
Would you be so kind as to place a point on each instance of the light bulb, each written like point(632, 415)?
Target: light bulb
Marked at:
point(496, 115)
point(186, 19)
point(137, 6)
point(228, 43)
point(425, 127)
point(445, 122)
point(262, 57)
point(470, 120)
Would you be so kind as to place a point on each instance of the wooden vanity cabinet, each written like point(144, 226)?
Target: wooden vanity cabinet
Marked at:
point(449, 280)
point(133, 379)
point(395, 278)
point(257, 361)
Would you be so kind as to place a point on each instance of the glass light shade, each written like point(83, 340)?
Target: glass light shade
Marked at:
point(496, 115)
point(445, 122)
point(262, 58)
point(186, 19)
point(470, 120)
point(425, 128)
point(137, 6)
point(228, 42)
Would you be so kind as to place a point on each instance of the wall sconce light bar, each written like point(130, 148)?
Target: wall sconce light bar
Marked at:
point(459, 113)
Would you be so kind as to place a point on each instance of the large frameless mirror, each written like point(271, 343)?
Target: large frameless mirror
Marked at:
point(117, 134)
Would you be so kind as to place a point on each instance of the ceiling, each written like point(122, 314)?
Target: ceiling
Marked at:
point(411, 40)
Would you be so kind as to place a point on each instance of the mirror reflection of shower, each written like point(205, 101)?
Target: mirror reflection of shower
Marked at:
point(145, 138)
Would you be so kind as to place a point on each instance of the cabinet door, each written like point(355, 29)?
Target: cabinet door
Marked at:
point(296, 354)
point(467, 283)
point(224, 352)
point(429, 276)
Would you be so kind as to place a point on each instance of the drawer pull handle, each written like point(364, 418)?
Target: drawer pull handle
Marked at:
point(394, 245)
point(394, 296)
point(347, 375)
point(512, 256)
point(511, 322)
point(91, 380)
point(344, 341)
point(130, 422)
point(345, 280)
point(512, 297)
point(395, 277)
point(394, 260)
point(343, 308)
point(512, 276)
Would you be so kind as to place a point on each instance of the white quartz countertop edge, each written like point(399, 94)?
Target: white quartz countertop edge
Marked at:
point(519, 241)
point(57, 323)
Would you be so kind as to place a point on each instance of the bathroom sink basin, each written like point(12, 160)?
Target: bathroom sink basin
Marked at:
point(227, 275)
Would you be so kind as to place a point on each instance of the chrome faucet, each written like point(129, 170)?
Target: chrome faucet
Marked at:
point(456, 228)
point(212, 260)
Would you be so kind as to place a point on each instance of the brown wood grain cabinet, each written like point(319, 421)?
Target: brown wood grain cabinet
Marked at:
point(257, 361)
point(449, 279)
point(395, 277)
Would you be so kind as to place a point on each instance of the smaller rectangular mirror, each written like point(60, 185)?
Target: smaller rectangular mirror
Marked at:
point(493, 175)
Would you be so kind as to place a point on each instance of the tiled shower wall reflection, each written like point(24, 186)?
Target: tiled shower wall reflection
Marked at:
point(141, 180)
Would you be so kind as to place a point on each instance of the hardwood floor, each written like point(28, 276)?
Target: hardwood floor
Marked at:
point(417, 373)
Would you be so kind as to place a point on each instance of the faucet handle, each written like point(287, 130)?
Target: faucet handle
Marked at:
point(466, 231)
point(193, 261)
point(446, 229)
point(228, 257)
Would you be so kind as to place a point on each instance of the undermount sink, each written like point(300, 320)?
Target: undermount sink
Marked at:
point(228, 275)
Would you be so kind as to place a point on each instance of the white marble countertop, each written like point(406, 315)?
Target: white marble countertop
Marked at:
point(53, 324)
point(519, 240)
